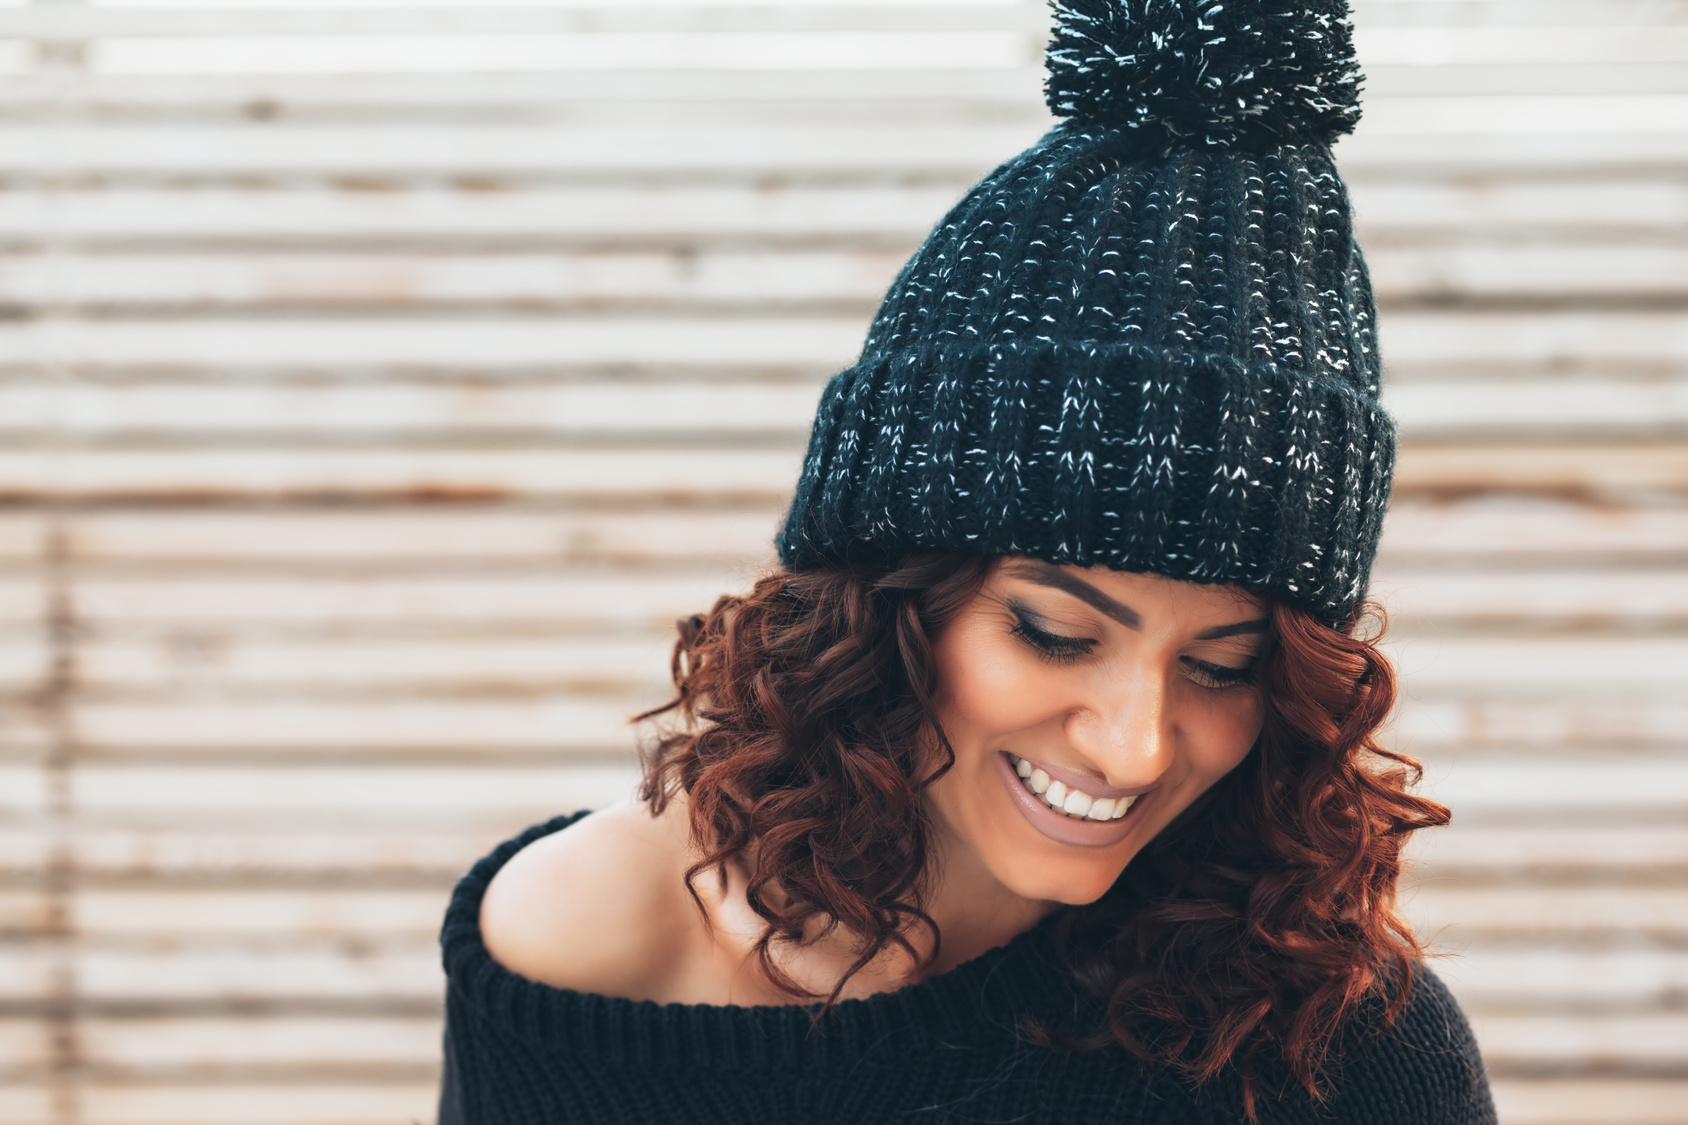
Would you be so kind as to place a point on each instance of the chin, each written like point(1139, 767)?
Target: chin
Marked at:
point(1070, 880)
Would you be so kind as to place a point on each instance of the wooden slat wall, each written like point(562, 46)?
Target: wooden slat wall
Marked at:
point(377, 384)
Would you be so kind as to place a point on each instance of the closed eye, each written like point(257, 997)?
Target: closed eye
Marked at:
point(1218, 676)
point(1057, 648)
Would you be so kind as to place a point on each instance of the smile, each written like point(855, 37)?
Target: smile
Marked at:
point(1065, 800)
point(1061, 808)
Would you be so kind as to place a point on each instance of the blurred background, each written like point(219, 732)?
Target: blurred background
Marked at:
point(379, 381)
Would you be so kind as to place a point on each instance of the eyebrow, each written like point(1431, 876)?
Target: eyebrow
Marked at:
point(1045, 574)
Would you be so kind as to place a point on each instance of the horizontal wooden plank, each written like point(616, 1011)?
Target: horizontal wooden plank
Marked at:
point(23, 789)
point(1452, 46)
point(1588, 1041)
point(1627, 470)
point(31, 971)
point(1564, 666)
point(503, 149)
point(421, 214)
point(23, 537)
point(1491, 850)
point(395, 537)
point(25, 662)
point(1394, 210)
point(24, 1048)
point(1536, 272)
point(25, 911)
point(1523, 977)
point(1548, 912)
point(1548, 719)
point(462, 665)
point(542, 602)
point(276, 915)
point(366, 1102)
point(381, 20)
point(658, 48)
point(554, 724)
point(172, 475)
point(377, 408)
point(1530, 782)
point(313, 794)
point(466, 343)
point(1421, 344)
point(23, 601)
point(97, 847)
point(1590, 1101)
point(27, 1103)
point(581, 279)
point(1582, 595)
point(1417, 529)
point(406, 972)
point(169, 1045)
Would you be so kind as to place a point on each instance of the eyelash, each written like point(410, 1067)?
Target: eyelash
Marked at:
point(1059, 649)
point(1053, 647)
point(1218, 677)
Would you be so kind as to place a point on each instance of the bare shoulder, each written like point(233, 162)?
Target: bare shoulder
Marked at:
point(597, 907)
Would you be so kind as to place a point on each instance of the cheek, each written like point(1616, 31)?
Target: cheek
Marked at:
point(1224, 732)
point(986, 686)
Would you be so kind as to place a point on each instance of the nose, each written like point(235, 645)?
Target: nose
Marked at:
point(1125, 729)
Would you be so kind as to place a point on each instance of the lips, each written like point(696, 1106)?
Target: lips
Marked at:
point(1073, 822)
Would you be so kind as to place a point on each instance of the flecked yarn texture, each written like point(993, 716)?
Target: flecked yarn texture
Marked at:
point(1148, 342)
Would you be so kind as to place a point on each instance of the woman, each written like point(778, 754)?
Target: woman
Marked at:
point(1038, 782)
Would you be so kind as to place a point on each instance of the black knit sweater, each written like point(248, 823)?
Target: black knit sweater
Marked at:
point(945, 1050)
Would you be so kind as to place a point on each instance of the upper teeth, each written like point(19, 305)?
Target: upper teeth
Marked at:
point(1073, 802)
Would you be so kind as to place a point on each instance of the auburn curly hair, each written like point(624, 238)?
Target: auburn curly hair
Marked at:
point(802, 731)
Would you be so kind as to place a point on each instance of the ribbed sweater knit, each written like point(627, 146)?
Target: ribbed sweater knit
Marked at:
point(949, 1049)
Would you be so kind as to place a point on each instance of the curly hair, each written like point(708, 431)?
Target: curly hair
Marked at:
point(804, 741)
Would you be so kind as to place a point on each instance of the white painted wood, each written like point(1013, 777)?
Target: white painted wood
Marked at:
point(1429, 722)
point(325, 792)
point(288, 471)
point(277, 915)
point(1586, 1040)
point(242, 973)
point(1496, 850)
point(467, 343)
point(337, 665)
point(526, 212)
point(143, 1045)
point(559, 724)
point(1547, 912)
point(1498, 528)
point(1617, 1101)
point(366, 1102)
point(400, 536)
point(1526, 976)
point(586, 599)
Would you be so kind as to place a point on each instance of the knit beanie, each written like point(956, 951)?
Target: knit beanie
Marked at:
point(1147, 342)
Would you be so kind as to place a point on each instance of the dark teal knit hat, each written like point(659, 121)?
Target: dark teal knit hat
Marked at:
point(1147, 342)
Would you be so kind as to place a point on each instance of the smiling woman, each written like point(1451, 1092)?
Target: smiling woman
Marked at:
point(1038, 781)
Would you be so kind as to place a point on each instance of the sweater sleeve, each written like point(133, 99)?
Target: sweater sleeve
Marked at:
point(1423, 1069)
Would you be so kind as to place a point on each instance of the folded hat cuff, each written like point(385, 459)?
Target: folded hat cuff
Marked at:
point(1188, 464)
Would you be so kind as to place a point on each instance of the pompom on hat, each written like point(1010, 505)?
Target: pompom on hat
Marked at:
point(1147, 342)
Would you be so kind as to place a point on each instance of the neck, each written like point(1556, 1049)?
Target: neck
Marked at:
point(973, 910)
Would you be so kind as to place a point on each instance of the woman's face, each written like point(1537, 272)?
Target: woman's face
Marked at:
point(1119, 697)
